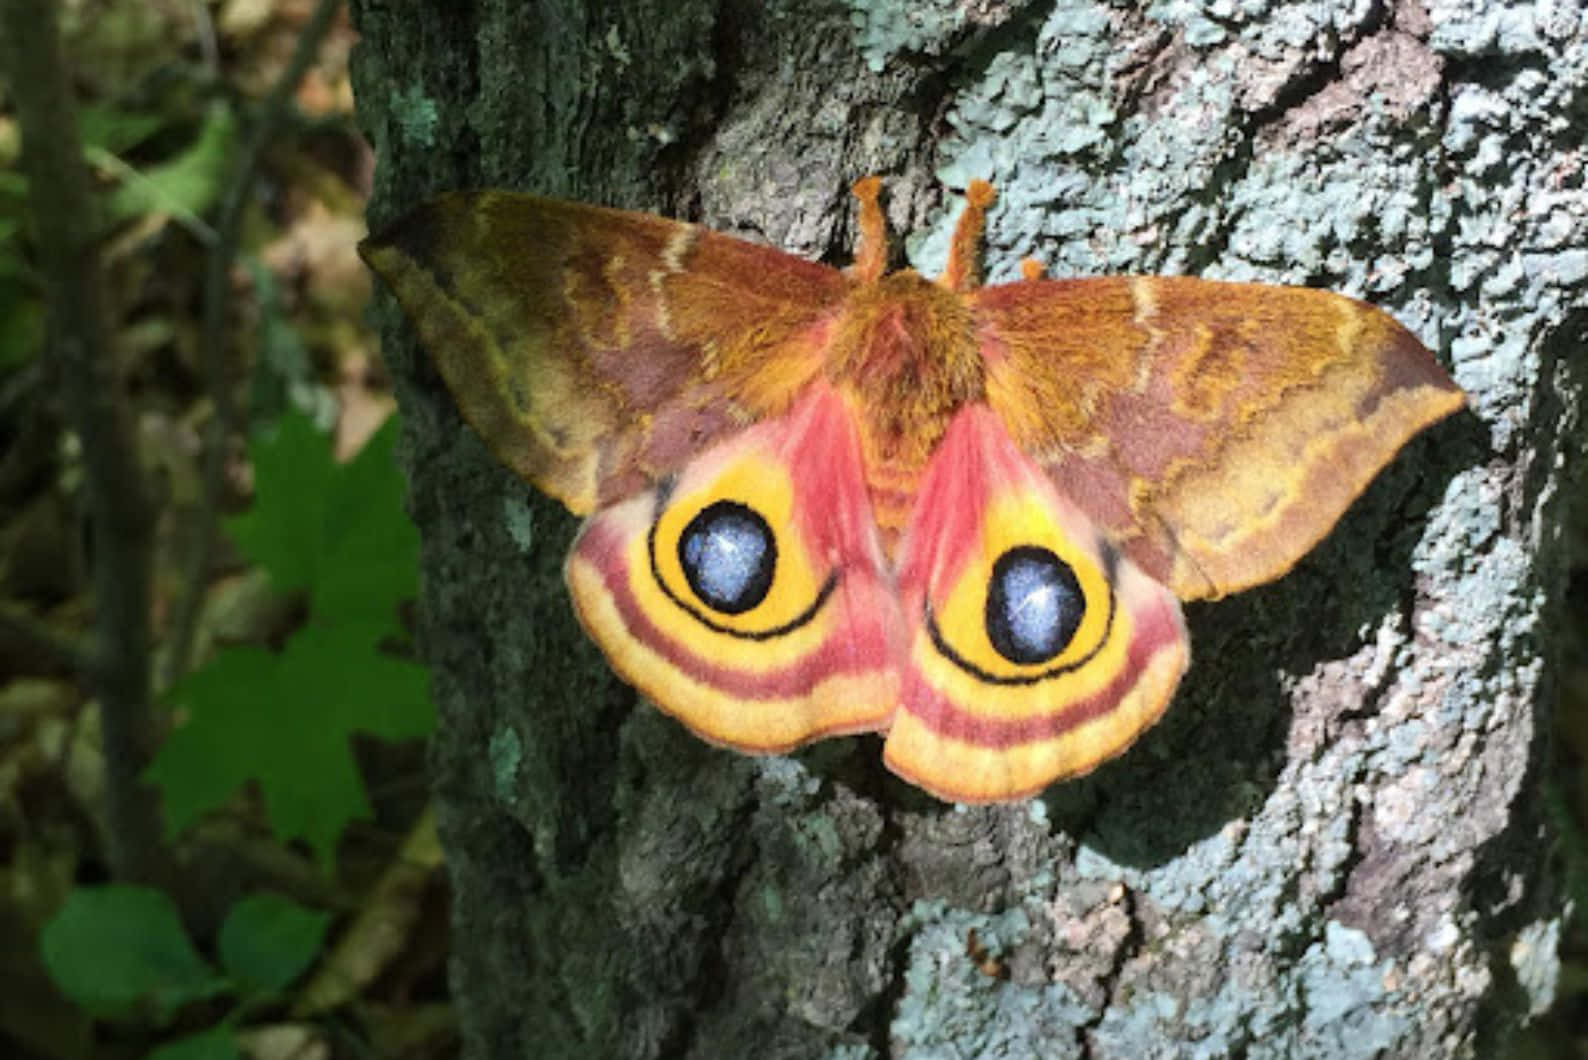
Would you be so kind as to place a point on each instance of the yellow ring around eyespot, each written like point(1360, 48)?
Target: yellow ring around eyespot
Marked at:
point(1011, 521)
point(732, 650)
point(763, 486)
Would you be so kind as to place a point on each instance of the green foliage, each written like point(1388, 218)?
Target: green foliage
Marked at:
point(185, 186)
point(283, 719)
point(110, 128)
point(267, 941)
point(21, 311)
point(117, 949)
point(338, 532)
point(216, 1043)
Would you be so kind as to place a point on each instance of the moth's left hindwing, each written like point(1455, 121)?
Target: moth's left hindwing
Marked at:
point(748, 596)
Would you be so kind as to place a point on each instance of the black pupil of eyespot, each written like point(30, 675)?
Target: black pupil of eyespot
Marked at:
point(728, 555)
point(1034, 605)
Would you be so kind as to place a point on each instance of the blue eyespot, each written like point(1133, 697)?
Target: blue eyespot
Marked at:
point(728, 554)
point(1034, 605)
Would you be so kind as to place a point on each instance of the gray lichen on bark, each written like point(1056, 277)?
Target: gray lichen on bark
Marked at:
point(1333, 845)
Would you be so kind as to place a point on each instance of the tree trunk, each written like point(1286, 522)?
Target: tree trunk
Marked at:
point(1334, 843)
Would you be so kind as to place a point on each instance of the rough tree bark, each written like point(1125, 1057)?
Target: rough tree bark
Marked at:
point(1334, 844)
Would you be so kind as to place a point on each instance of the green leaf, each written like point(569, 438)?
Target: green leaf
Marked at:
point(284, 721)
point(284, 530)
point(267, 941)
point(371, 557)
point(110, 128)
point(339, 532)
point(188, 184)
point(217, 1043)
point(13, 190)
point(113, 948)
point(11, 263)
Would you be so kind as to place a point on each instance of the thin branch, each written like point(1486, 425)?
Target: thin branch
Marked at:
point(171, 204)
point(209, 47)
point(212, 336)
point(64, 221)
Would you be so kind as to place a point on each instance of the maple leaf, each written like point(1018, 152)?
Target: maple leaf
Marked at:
point(284, 719)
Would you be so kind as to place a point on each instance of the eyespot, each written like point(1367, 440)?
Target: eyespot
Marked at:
point(1036, 610)
point(728, 556)
point(728, 551)
point(1034, 605)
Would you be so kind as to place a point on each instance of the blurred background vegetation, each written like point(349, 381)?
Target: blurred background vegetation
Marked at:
point(287, 901)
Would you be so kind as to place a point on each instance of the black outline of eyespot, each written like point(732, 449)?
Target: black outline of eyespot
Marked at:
point(1110, 565)
point(788, 627)
point(1040, 552)
point(743, 511)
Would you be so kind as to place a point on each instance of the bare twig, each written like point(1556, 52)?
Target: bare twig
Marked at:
point(60, 198)
point(170, 203)
point(209, 48)
point(212, 336)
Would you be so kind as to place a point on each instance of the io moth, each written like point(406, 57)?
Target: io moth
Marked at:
point(826, 501)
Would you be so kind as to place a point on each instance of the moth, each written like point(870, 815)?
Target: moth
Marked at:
point(826, 501)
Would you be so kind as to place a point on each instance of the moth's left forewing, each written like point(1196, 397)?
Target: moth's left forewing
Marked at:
point(595, 350)
point(1037, 651)
point(1216, 431)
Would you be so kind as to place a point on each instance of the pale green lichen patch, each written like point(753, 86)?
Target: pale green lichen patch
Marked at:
point(507, 756)
point(1535, 959)
point(952, 1006)
point(1349, 1008)
point(416, 116)
point(885, 28)
point(850, 1052)
point(519, 520)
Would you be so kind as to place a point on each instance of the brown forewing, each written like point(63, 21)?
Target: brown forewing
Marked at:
point(597, 350)
point(1215, 430)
